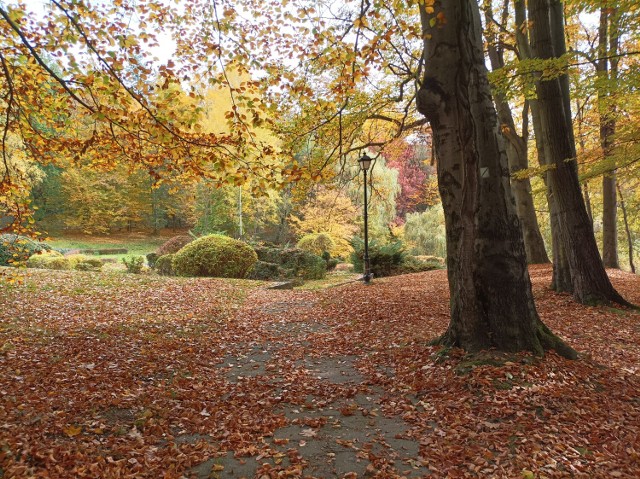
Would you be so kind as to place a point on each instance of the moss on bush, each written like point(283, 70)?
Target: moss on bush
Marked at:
point(174, 245)
point(216, 256)
point(164, 265)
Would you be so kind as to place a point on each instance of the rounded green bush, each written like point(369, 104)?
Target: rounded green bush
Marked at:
point(164, 265)
point(216, 256)
point(317, 243)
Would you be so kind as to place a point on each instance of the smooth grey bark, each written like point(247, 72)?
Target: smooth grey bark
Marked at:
point(588, 276)
point(561, 280)
point(607, 69)
point(491, 300)
point(627, 229)
point(587, 200)
point(517, 155)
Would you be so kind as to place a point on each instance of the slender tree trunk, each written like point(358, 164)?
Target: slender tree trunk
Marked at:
point(491, 301)
point(561, 280)
point(517, 155)
point(589, 278)
point(581, 142)
point(608, 45)
point(627, 229)
point(587, 200)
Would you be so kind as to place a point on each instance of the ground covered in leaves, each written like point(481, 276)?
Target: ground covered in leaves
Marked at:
point(111, 375)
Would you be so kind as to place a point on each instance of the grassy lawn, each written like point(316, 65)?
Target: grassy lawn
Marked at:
point(137, 244)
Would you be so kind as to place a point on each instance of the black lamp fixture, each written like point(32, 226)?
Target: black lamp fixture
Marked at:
point(365, 164)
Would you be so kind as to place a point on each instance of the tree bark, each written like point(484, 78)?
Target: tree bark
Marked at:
point(491, 300)
point(517, 155)
point(589, 278)
point(627, 230)
point(561, 280)
point(608, 46)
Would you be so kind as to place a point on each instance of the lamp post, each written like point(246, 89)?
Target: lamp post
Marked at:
point(365, 163)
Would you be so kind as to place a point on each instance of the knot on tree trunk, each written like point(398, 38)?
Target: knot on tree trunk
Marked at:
point(431, 99)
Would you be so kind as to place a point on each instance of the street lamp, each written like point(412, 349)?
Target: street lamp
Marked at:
point(365, 163)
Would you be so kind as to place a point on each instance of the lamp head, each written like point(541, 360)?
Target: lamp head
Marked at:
point(365, 162)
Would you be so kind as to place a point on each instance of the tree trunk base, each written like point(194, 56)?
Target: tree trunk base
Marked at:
point(544, 340)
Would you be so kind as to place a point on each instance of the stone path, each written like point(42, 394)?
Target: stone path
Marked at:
point(332, 424)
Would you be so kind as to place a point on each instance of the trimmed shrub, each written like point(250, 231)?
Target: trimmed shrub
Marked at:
point(90, 265)
point(317, 243)
point(303, 264)
point(55, 260)
point(164, 265)
point(134, 264)
point(40, 260)
point(216, 256)
point(15, 248)
point(293, 262)
point(75, 259)
point(267, 271)
point(413, 264)
point(385, 259)
point(151, 259)
point(268, 254)
point(174, 245)
point(332, 263)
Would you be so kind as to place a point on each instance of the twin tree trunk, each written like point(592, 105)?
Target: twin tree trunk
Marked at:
point(561, 281)
point(491, 300)
point(589, 280)
point(517, 155)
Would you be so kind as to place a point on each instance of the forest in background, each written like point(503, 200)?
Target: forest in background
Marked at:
point(314, 128)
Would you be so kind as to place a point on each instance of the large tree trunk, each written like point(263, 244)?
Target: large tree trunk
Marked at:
point(589, 278)
point(517, 155)
point(608, 46)
point(491, 301)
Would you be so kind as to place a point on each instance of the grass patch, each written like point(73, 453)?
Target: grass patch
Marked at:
point(135, 244)
point(331, 280)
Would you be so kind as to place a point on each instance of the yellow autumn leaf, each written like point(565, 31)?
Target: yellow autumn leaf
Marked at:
point(72, 431)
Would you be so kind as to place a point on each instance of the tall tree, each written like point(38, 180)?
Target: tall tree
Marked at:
point(607, 68)
point(589, 279)
point(517, 151)
point(491, 300)
point(561, 280)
